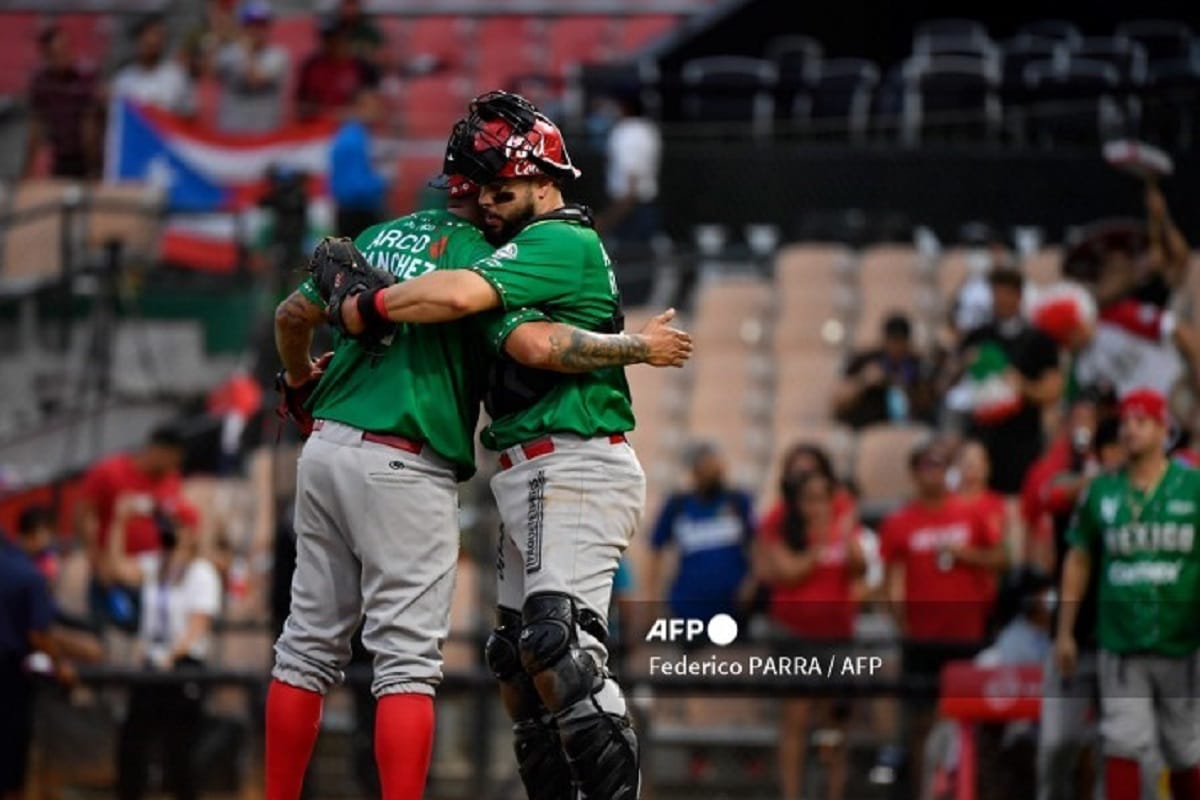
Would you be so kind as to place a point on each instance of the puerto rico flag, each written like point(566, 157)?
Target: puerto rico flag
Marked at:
point(214, 181)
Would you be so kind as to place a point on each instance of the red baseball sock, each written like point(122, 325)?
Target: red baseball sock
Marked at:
point(403, 744)
point(293, 719)
point(1122, 779)
point(1185, 784)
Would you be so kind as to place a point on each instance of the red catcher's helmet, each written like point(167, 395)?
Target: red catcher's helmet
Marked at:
point(505, 136)
point(538, 151)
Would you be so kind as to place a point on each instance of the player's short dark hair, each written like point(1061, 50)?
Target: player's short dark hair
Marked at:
point(145, 23)
point(897, 326)
point(698, 451)
point(1006, 275)
point(168, 435)
point(34, 517)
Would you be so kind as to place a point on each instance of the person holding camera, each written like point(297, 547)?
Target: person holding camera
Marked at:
point(180, 593)
point(151, 473)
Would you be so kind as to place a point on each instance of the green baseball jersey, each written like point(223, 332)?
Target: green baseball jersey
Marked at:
point(427, 383)
point(557, 270)
point(1145, 558)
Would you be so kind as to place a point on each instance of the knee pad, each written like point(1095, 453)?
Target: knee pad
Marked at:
point(502, 651)
point(541, 762)
point(595, 729)
point(549, 643)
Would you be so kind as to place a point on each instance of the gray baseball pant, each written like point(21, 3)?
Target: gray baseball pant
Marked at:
point(377, 536)
point(567, 517)
point(1068, 722)
point(1147, 700)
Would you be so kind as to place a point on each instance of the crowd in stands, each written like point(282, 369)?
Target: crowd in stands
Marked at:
point(1020, 405)
point(229, 74)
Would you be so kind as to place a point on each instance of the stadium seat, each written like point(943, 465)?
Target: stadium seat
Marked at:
point(578, 39)
point(297, 34)
point(506, 46)
point(732, 310)
point(440, 38)
point(881, 464)
point(839, 100)
point(1162, 39)
point(725, 89)
point(393, 55)
point(90, 35)
point(947, 28)
point(796, 59)
point(1169, 108)
point(814, 296)
point(1015, 55)
point(953, 269)
point(805, 378)
point(1053, 30)
point(889, 280)
point(636, 33)
point(1075, 103)
point(429, 104)
point(412, 181)
point(983, 51)
point(948, 95)
point(32, 251)
point(19, 56)
point(1127, 56)
point(127, 213)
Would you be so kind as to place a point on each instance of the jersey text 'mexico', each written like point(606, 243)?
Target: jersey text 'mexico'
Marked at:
point(426, 384)
point(1147, 564)
point(557, 270)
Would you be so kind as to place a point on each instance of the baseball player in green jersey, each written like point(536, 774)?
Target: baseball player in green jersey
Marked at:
point(1137, 528)
point(569, 490)
point(377, 501)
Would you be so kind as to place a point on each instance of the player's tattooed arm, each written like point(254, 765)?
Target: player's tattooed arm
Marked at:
point(295, 320)
point(565, 348)
point(575, 350)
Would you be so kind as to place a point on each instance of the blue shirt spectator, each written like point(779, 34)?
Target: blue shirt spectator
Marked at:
point(357, 186)
point(353, 179)
point(25, 603)
point(711, 527)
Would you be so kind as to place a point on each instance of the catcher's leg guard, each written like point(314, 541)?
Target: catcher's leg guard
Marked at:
point(593, 723)
point(540, 759)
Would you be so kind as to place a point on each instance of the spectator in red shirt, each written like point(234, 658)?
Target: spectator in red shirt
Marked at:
point(151, 477)
point(332, 77)
point(809, 561)
point(1054, 481)
point(974, 472)
point(938, 550)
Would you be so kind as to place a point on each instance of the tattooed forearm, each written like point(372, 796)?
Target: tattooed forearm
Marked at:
point(295, 320)
point(575, 350)
point(297, 310)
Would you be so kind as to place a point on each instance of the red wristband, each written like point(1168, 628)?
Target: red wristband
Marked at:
point(381, 304)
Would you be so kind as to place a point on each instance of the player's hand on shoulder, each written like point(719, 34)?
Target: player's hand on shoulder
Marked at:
point(667, 346)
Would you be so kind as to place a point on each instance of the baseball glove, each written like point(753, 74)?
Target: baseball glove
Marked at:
point(339, 270)
point(292, 402)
